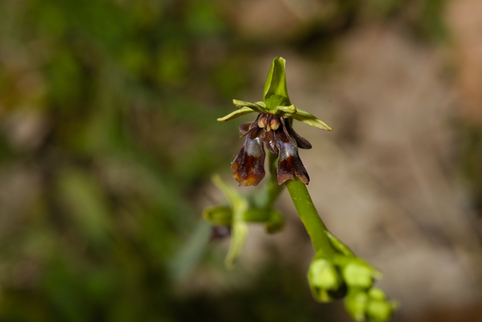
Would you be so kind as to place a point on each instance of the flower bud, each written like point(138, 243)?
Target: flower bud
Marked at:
point(325, 281)
point(378, 308)
point(356, 303)
point(357, 274)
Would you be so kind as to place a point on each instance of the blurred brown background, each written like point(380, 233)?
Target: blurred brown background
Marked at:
point(108, 139)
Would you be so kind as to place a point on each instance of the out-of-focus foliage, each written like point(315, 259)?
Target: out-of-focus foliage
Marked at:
point(471, 163)
point(106, 111)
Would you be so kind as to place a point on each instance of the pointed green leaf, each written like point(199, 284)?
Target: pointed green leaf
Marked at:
point(276, 82)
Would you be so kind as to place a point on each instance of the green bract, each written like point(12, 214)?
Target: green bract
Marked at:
point(276, 100)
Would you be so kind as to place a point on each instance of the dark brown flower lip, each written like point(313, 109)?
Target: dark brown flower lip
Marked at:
point(276, 134)
point(248, 166)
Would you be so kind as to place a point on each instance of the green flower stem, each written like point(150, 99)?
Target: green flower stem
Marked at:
point(310, 218)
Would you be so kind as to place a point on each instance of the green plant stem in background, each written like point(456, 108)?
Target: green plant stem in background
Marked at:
point(309, 216)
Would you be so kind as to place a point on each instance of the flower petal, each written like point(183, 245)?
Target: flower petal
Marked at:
point(310, 119)
point(239, 112)
point(244, 128)
point(301, 142)
point(259, 107)
point(276, 82)
point(289, 162)
point(248, 166)
point(270, 142)
point(285, 111)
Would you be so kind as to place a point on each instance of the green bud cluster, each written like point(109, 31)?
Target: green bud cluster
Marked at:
point(342, 274)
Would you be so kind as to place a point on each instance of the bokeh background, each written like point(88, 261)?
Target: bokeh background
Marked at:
point(108, 139)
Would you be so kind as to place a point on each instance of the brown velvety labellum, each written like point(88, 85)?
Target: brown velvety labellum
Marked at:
point(248, 166)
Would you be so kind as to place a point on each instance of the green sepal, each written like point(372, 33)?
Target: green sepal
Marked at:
point(310, 119)
point(239, 112)
point(284, 110)
point(259, 107)
point(243, 109)
point(275, 101)
point(276, 84)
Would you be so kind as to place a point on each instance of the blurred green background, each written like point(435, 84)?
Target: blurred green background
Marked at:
point(108, 140)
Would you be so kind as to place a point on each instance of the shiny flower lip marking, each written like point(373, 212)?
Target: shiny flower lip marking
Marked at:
point(272, 129)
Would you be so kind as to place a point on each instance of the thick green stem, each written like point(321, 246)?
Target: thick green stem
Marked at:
point(309, 216)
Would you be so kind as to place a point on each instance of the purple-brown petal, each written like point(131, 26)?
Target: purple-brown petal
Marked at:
point(289, 162)
point(248, 166)
point(301, 142)
point(245, 128)
point(270, 142)
point(294, 137)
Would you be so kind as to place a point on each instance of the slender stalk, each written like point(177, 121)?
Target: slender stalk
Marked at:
point(309, 216)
